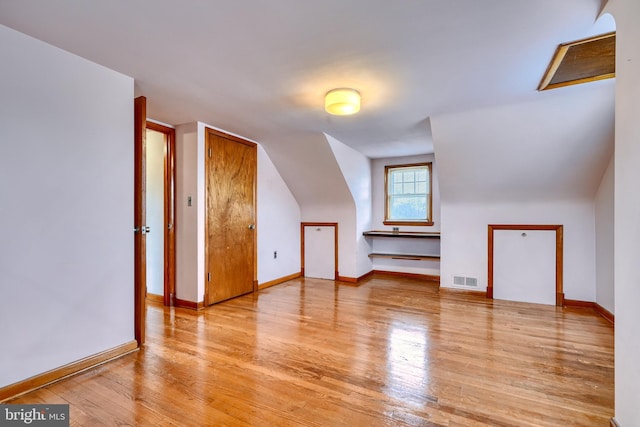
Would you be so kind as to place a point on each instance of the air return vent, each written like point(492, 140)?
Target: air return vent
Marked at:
point(471, 282)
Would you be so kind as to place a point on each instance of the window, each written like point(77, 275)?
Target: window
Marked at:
point(408, 194)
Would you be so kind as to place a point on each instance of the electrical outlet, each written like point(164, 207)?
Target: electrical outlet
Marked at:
point(275, 254)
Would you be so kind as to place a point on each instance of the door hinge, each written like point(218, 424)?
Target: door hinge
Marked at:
point(208, 277)
point(209, 152)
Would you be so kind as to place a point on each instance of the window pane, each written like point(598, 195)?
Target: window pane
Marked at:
point(408, 176)
point(408, 208)
point(397, 188)
point(421, 175)
point(421, 187)
point(408, 188)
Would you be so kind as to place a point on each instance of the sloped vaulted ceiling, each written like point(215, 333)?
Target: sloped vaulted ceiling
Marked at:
point(555, 147)
point(261, 68)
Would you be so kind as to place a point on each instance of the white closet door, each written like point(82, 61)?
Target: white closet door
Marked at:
point(524, 266)
point(319, 252)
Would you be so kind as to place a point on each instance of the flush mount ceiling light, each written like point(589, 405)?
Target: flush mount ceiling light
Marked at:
point(342, 102)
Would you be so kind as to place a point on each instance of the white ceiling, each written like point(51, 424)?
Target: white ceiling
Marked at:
point(260, 68)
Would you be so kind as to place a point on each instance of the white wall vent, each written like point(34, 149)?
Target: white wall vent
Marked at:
point(471, 282)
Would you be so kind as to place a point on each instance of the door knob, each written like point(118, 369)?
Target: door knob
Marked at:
point(146, 229)
point(252, 226)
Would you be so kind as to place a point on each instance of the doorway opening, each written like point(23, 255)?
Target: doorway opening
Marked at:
point(160, 213)
point(140, 227)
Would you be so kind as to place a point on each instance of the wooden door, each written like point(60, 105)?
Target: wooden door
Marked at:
point(230, 174)
point(139, 218)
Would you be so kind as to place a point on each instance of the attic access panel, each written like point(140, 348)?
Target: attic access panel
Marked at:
point(582, 61)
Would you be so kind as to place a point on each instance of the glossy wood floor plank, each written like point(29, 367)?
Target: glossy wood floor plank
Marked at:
point(389, 352)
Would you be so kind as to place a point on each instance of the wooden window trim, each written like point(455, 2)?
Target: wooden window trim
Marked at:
point(429, 220)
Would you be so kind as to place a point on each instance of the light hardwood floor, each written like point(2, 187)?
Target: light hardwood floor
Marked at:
point(389, 352)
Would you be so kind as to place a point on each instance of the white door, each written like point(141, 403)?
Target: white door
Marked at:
point(524, 266)
point(319, 252)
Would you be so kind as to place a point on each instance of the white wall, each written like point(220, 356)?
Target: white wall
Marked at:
point(201, 210)
point(604, 240)
point(188, 263)
point(627, 212)
point(190, 245)
point(310, 169)
point(464, 239)
point(66, 210)
point(540, 161)
point(356, 170)
point(278, 224)
point(190, 220)
point(344, 215)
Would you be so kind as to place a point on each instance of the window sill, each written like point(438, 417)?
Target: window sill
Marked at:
point(407, 223)
point(388, 233)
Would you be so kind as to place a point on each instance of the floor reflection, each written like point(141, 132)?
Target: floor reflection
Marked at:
point(407, 363)
point(387, 352)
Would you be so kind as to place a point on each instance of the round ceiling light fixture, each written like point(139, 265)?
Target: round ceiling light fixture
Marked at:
point(342, 101)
